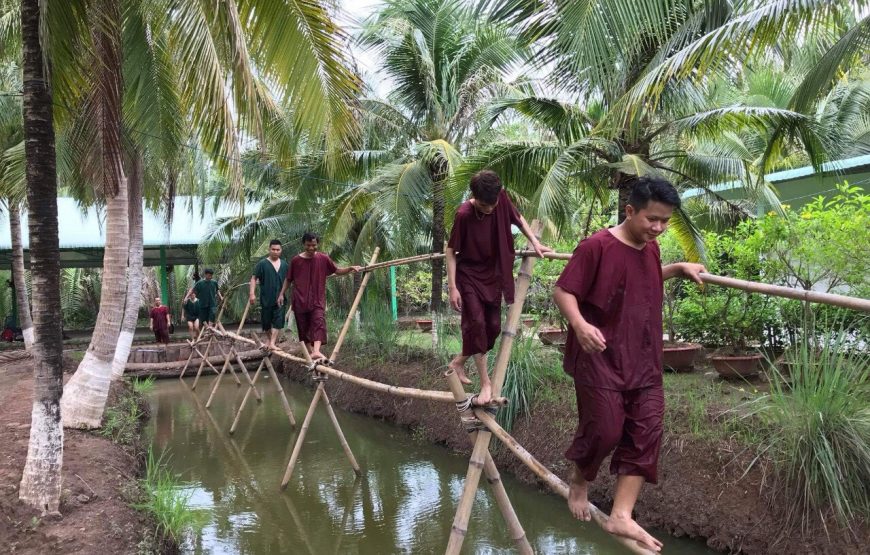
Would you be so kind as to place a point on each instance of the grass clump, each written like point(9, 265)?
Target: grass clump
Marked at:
point(165, 501)
point(122, 420)
point(815, 428)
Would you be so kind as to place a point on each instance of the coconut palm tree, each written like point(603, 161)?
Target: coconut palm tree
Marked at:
point(210, 72)
point(41, 481)
point(642, 73)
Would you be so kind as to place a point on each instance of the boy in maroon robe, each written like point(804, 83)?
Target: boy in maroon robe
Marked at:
point(308, 272)
point(160, 321)
point(611, 294)
point(480, 263)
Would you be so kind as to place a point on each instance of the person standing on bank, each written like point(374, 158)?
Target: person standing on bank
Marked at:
point(480, 262)
point(308, 272)
point(611, 294)
point(190, 313)
point(270, 272)
point(159, 323)
point(206, 291)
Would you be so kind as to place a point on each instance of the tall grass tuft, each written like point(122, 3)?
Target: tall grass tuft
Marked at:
point(523, 377)
point(143, 386)
point(815, 427)
point(165, 500)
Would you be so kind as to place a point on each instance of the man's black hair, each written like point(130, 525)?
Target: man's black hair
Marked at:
point(208, 271)
point(310, 236)
point(274, 242)
point(485, 186)
point(648, 188)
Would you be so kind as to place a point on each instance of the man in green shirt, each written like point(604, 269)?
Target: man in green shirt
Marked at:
point(207, 292)
point(270, 272)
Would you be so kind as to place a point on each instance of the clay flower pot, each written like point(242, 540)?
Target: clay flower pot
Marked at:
point(736, 365)
point(424, 325)
point(679, 356)
point(553, 336)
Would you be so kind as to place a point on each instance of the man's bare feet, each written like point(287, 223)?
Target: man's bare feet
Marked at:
point(578, 496)
point(460, 373)
point(317, 355)
point(485, 395)
point(628, 528)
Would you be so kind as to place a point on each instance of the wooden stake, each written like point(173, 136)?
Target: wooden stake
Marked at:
point(481, 444)
point(492, 476)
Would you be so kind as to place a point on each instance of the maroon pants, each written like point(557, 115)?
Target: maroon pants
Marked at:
point(481, 323)
point(628, 421)
point(311, 325)
point(162, 335)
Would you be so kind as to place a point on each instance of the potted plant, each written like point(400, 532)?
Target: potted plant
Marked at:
point(678, 356)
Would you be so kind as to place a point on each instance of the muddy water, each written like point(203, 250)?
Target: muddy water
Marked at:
point(403, 504)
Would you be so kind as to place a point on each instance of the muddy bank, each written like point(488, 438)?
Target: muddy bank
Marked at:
point(704, 490)
point(99, 483)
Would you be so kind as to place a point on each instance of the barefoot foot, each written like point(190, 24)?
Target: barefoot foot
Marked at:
point(578, 497)
point(460, 373)
point(317, 355)
point(485, 395)
point(628, 528)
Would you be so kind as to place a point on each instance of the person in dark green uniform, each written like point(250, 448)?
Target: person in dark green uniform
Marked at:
point(270, 272)
point(207, 292)
point(190, 312)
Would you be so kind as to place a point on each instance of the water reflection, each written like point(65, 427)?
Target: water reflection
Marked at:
point(404, 503)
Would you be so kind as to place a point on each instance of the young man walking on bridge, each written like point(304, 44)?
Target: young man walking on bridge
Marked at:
point(190, 313)
point(480, 270)
point(270, 272)
point(611, 294)
point(207, 292)
point(308, 272)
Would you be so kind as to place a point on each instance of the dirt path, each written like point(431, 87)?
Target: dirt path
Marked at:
point(97, 517)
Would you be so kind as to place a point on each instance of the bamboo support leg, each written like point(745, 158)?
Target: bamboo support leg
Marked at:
point(217, 382)
point(202, 361)
point(244, 370)
point(189, 358)
point(353, 308)
point(284, 402)
point(341, 437)
point(518, 535)
point(231, 354)
point(472, 480)
point(299, 439)
point(245, 399)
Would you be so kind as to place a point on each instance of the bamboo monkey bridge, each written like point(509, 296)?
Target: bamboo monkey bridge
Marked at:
point(479, 421)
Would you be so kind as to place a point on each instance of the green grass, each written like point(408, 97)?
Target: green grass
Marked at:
point(815, 428)
point(165, 501)
point(121, 421)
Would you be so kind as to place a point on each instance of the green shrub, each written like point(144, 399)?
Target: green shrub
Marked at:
point(815, 428)
point(165, 500)
point(121, 421)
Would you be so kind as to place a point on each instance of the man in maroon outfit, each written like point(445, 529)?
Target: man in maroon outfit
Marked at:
point(611, 294)
point(308, 272)
point(160, 321)
point(480, 262)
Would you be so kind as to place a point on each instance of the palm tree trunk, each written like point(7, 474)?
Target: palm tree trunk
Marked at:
point(87, 391)
point(437, 243)
point(24, 319)
point(134, 272)
point(41, 480)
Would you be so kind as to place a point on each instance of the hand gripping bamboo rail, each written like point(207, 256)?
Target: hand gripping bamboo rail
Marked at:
point(481, 443)
point(321, 391)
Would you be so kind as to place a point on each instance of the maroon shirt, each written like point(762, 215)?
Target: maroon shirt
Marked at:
point(308, 276)
point(158, 317)
point(484, 247)
point(619, 291)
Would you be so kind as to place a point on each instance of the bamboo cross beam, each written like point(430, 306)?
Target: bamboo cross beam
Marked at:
point(321, 390)
point(553, 482)
point(394, 390)
point(481, 443)
point(219, 329)
point(274, 376)
point(204, 325)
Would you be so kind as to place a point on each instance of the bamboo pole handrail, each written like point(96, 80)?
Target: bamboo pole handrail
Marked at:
point(553, 482)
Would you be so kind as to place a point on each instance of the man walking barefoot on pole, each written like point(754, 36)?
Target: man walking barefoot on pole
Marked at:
point(611, 294)
point(207, 292)
point(308, 272)
point(480, 263)
point(270, 272)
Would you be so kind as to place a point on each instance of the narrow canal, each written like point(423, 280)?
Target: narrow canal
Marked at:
point(404, 503)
